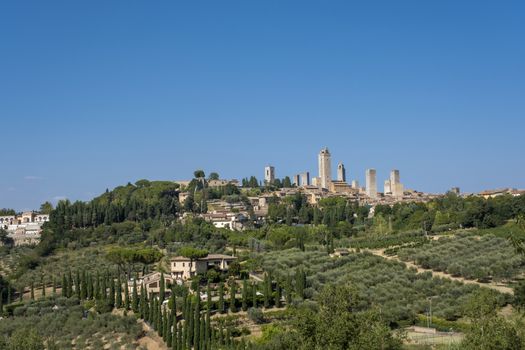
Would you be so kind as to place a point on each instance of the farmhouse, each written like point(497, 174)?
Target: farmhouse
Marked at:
point(151, 282)
point(183, 268)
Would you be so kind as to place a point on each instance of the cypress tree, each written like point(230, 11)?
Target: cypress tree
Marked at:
point(9, 296)
point(180, 333)
point(111, 297)
point(221, 298)
point(244, 295)
point(135, 300)
point(151, 313)
point(90, 287)
point(69, 285)
point(104, 288)
point(145, 308)
point(143, 304)
point(118, 296)
point(278, 295)
point(168, 336)
point(174, 334)
point(21, 294)
point(208, 297)
point(233, 307)
point(96, 287)
point(173, 301)
point(207, 329)
point(158, 317)
point(84, 286)
point(254, 295)
point(265, 292)
point(196, 322)
point(202, 340)
point(32, 290)
point(288, 290)
point(77, 285)
point(43, 284)
point(189, 330)
point(54, 286)
point(1, 302)
point(126, 296)
point(64, 285)
point(162, 288)
point(269, 289)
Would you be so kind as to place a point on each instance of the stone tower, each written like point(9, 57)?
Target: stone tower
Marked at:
point(269, 174)
point(371, 184)
point(325, 166)
point(341, 172)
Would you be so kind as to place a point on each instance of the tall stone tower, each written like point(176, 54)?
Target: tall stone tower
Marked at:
point(341, 172)
point(396, 187)
point(269, 174)
point(325, 166)
point(371, 184)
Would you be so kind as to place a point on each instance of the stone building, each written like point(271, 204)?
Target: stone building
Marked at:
point(269, 174)
point(325, 168)
point(371, 184)
point(182, 268)
point(341, 172)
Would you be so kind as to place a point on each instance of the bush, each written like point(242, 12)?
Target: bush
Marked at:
point(256, 315)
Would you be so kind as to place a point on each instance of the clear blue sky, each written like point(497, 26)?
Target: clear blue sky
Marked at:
point(94, 94)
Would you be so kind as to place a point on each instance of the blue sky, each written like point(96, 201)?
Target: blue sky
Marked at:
point(95, 94)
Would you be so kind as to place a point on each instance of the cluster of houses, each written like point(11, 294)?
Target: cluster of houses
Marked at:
point(24, 228)
point(182, 269)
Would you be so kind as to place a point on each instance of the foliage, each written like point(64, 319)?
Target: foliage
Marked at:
point(400, 292)
point(472, 257)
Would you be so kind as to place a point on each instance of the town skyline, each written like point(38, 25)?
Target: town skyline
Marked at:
point(157, 92)
point(381, 173)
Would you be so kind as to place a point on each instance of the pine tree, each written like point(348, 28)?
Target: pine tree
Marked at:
point(162, 287)
point(233, 307)
point(244, 295)
point(135, 299)
point(221, 298)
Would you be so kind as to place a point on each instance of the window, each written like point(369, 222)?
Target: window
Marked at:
point(183, 265)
